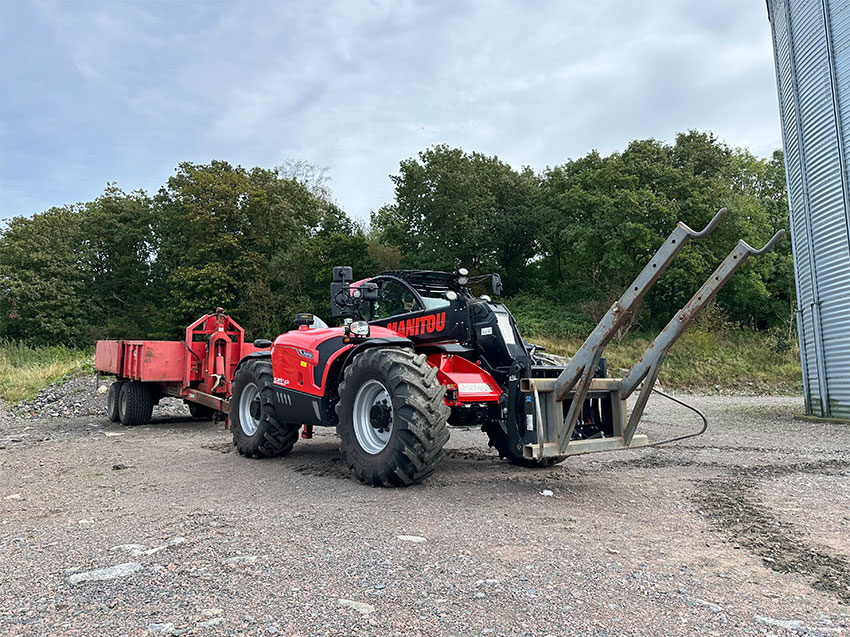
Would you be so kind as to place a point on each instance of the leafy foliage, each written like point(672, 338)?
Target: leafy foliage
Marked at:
point(261, 242)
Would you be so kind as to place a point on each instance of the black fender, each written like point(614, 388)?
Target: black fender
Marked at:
point(263, 353)
point(343, 361)
point(390, 341)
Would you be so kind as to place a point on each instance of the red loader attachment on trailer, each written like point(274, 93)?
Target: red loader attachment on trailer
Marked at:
point(199, 369)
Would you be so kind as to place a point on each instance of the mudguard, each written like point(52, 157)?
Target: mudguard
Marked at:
point(263, 353)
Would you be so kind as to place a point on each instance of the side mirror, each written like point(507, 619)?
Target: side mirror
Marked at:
point(497, 285)
point(340, 303)
point(342, 273)
point(369, 291)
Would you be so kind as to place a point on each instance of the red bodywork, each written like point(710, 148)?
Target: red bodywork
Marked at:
point(465, 381)
point(197, 370)
point(201, 368)
point(302, 358)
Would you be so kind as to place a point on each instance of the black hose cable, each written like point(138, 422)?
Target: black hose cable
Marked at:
point(683, 404)
point(192, 352)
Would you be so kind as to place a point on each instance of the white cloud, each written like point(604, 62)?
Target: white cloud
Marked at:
point(359, 86)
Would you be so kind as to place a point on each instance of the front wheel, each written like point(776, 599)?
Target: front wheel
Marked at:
point(392, 417)
point(257, 432)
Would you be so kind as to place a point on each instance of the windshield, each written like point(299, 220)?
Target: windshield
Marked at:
point(434, 302)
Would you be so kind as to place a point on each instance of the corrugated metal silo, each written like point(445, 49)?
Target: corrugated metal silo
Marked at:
point(811, 44)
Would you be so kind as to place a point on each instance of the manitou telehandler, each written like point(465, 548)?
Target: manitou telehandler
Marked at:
point(417, 351)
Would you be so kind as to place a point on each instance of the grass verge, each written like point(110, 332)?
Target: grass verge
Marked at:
point(25, 370)
point(703, 360)
point(707, 360)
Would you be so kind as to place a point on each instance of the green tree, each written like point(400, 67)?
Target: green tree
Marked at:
point(41, 279)
point(252, 241)
point(602, 219)
point(116, 256)
point(456, 209)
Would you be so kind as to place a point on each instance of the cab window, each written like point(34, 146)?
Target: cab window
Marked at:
point(393, 298)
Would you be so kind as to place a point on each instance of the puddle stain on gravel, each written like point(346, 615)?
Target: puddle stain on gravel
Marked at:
point(733, 509)
point(330, 468)
point(220, 447)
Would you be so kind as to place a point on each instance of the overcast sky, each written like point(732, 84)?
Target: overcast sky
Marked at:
point(92, 91)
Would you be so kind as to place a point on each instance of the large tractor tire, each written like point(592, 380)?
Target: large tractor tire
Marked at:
point(112, 395)
point(499, 441)
point(257, 433)
point(202, 412)
point(135, 403)
point(392, 417)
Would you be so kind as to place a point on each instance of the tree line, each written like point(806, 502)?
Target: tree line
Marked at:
point(261, 242)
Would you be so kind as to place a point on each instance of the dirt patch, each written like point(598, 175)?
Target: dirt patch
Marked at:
point(220, 447)
point(732, 508)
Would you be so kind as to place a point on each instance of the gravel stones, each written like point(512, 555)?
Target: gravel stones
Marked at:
point(624, 547)
point(82, 396)
point(361, 607)
point(103, 574)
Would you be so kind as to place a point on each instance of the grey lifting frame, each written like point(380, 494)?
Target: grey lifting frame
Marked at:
point(555, 431)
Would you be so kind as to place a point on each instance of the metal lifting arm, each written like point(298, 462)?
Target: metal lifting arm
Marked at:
point(649, 364)
point(579, 373)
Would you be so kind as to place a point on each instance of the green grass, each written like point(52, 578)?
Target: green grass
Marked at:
point(733, 359)
point(705, 357)
point(25, 370)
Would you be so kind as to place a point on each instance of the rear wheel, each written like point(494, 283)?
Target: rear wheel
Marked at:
point(392, 418)
point(135, 403)
point(112, 400)
point(257, 433)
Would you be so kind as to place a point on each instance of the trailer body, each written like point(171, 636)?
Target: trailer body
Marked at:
point(199, 369)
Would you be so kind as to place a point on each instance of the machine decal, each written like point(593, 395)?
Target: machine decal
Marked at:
point(420, 325)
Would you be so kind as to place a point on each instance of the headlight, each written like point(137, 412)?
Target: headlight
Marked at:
point(359, 328)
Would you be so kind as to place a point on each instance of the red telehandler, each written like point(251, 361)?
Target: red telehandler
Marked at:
point(417, 351)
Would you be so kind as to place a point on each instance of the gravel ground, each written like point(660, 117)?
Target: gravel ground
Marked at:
point(164, 529)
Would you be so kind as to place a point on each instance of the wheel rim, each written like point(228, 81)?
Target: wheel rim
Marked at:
point(247, 421)
point(373, 416)
point(122, 402)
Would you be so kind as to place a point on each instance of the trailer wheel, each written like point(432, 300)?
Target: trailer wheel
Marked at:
point(499, 441)
point(112, 400)
point(196, 410)
point(392, 418)
point(257, 433)
point(135, 403)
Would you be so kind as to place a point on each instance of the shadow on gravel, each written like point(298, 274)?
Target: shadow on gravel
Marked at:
point(731, 507)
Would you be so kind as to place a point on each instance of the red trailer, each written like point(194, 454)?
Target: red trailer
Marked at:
point(199, 369)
